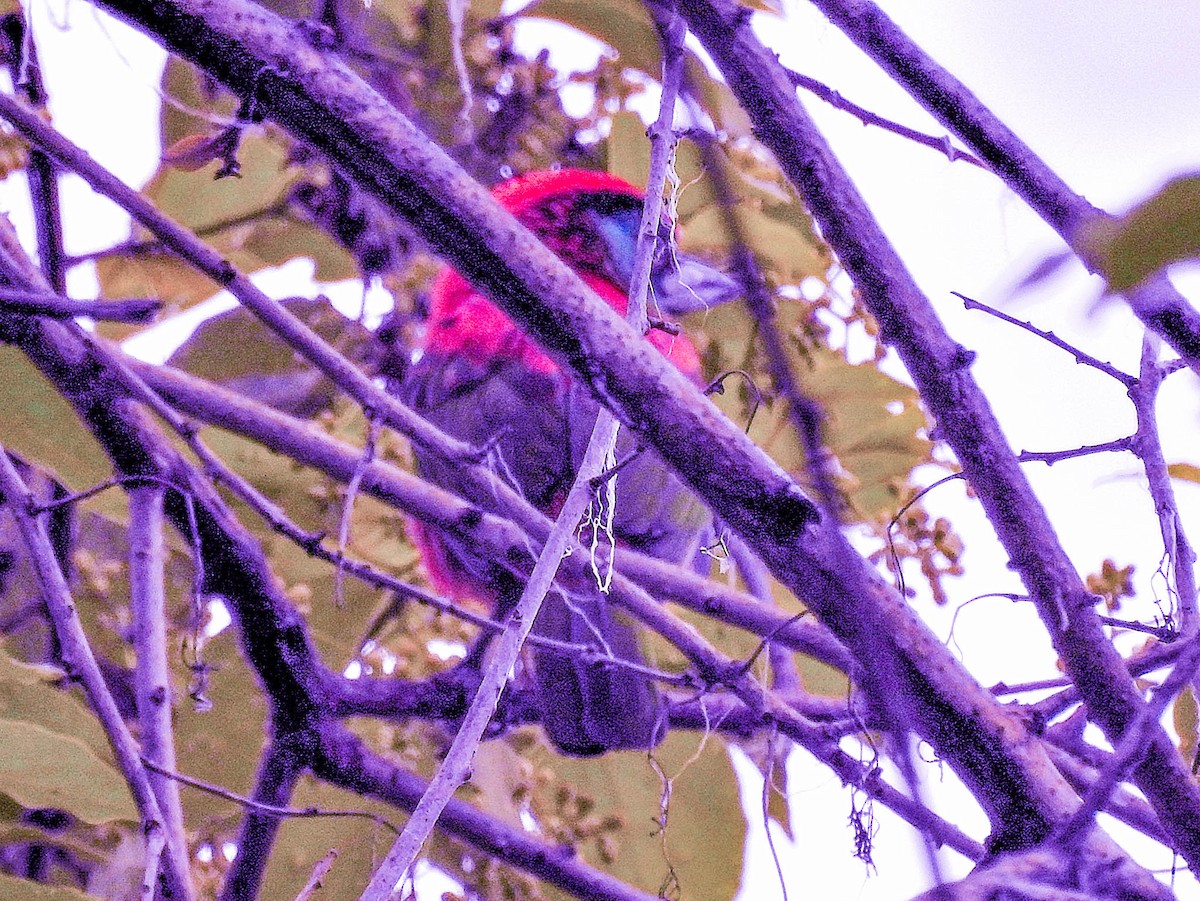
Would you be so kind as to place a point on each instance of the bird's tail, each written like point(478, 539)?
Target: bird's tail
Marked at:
point(589, 704)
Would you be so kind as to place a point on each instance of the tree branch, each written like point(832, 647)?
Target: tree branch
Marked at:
point(152, 676)
point(45, 304)
point(1156, 303)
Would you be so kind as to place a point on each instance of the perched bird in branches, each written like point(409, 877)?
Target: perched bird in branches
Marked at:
point(480, 379)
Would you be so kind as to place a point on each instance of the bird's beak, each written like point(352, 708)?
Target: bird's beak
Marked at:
point(681, 284)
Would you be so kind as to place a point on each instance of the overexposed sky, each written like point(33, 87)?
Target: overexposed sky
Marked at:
point(1107, 91)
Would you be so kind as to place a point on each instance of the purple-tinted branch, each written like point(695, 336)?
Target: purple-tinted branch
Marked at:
point(1135, 741)
point(45, 304)
point(455, 768)
point(1156, 302)
point(939, 367)
point(298, 813)
point(1124, 805)
point(135, 246)
point(806, 416)
point(1164, 633)
point(1052, 457)
point(283, 762)
point(1157, 657)
point(941, 144)
point(784, 675)
point(1146, 444)
point(662, 143)
point(81, 666)
point(1051, 874)
point(26, 76)
point(152, 676)
point(323, 103)
point(1080, 357)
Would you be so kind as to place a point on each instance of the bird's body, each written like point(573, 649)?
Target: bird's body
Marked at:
point(480, 379)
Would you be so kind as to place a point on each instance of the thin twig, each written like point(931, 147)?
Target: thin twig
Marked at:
point(1052, 457)
point(942, 144)
point(1148, 447)
point(455, 768)
point(1156, 303)
point(1133, 744)
point(38, 304)
point(368, 456)
point(1080, 357)
point(784, 674)
point(26, 75)
point(275, 811)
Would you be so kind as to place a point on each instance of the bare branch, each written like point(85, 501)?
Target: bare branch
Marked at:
point(1080, 357)
point(39, 304)
point(941, 144)
point(152, 676)
point(1156, 303)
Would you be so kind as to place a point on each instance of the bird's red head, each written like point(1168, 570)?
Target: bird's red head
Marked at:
point(588, 219)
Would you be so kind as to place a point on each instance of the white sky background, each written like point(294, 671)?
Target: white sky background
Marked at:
point(1106, 91)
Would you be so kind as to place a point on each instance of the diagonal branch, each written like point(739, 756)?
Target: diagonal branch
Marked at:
point(1156, 303)
point(273, 635)
point(499, 538)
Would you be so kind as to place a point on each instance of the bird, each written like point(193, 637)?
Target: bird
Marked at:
point(479, 378)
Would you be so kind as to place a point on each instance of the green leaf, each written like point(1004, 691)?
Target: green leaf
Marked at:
point(623, 25)
point(1161, 230)
point(41, 767)
point(236, 350)
point(199, 202)
point(28, 694)
point(243, 218)
point(705, 830)
point(43, 428)
point(14, 889)
point(1187, 722)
